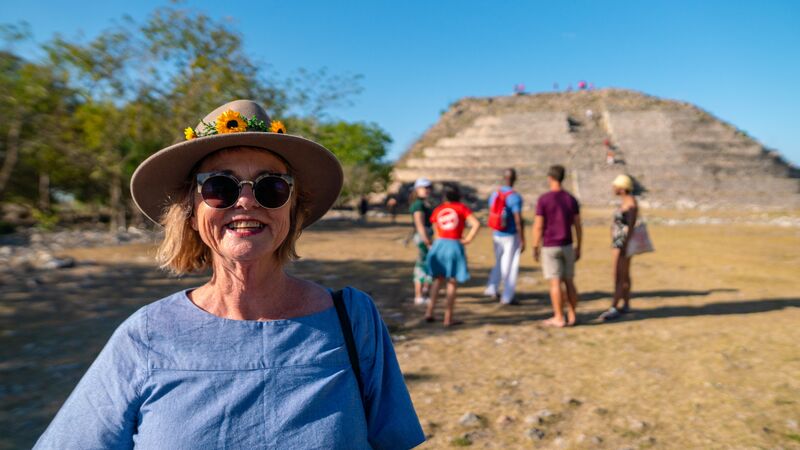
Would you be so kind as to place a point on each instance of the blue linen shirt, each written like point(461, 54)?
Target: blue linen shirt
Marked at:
point(174, 376)
point(513, 205)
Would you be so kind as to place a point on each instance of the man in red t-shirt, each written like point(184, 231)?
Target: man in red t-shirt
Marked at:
point(557, 212)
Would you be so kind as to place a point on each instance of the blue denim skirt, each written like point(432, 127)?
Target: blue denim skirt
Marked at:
point(447, 259)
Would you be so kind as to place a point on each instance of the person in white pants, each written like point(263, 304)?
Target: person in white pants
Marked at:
point(509, 242)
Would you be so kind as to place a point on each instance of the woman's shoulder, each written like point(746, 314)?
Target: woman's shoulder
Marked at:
point(139, 324)
point(171, 303)
point(130, 344)
point(358, 302)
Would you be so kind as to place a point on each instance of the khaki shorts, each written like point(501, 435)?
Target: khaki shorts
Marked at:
point(558, 262)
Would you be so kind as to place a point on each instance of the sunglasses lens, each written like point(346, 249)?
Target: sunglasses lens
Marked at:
point(272, 192)
point(220, 192)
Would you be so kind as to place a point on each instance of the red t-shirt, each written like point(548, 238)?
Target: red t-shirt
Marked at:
point(449, 218)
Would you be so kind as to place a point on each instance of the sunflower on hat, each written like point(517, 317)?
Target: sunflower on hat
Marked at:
point(277, 127)
point(230, 122)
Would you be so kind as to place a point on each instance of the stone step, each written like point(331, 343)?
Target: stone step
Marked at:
point(495, 149)
point(732, 147)
point(553, 138)
point(531, 128)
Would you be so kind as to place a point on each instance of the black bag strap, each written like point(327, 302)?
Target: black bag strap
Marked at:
point(349, 340)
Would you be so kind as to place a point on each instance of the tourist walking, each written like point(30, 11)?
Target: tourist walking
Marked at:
point(447, 260)
point(423, 238)
point(505, 217)
point(254, 357)
point(391, 207)
point(557, 213)
point(622, 225)
point(363, 208)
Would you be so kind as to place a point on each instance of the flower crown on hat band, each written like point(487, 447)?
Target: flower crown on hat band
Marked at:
point(232, 122)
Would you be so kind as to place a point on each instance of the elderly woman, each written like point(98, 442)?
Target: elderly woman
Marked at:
point(621, 227)
point(253, 358)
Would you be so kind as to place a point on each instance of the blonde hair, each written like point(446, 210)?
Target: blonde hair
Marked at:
point(623, 181)
point(183, 251)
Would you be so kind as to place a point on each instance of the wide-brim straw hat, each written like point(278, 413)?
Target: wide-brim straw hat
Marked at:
point(161, 179)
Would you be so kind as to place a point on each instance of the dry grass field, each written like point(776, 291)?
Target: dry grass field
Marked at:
point(708, 359)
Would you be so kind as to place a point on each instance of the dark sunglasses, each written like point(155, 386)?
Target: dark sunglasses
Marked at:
point(222, 190)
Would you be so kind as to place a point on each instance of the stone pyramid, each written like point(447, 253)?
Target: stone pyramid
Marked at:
point(679, 154)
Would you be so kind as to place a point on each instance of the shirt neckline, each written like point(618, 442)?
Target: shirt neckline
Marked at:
point(187, 302)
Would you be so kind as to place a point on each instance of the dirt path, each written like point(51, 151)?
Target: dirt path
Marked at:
point(709, 358)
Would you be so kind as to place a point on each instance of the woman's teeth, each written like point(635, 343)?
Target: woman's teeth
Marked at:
point(238, 225)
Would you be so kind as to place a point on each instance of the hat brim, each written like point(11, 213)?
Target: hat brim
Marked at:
point(160, 180)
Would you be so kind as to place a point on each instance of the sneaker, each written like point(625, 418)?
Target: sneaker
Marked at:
point(421, 300)
point(625, 309)
point(610, 314)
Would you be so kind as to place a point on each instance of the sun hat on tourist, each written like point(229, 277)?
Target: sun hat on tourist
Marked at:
point(161, 179)
point(623, 181)
point(422, 183)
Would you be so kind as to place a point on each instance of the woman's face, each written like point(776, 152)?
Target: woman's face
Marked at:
point(422, 192)
point(245, 231)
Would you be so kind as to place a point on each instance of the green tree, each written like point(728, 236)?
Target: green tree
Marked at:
point(81, 120)
point(37, 106)
point(361, 148)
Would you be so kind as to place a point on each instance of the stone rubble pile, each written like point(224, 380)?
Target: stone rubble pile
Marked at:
point(37, 250)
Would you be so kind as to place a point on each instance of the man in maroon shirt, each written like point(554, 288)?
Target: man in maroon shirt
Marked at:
point(557, 212)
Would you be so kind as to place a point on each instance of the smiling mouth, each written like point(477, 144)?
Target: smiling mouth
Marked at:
point(245, 225)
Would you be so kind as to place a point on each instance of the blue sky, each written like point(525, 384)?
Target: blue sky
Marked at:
point(738, 60)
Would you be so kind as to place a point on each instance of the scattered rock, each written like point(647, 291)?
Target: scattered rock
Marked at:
point(504, 421)
point(574, 402)
point(600, 411)
point(458, 389)
point(636, 425)
point(546, 416)
point(649, 441)
point(471, 420)
point(429, 425)
point(791, 424)
point(535, 434)
point(58, 263)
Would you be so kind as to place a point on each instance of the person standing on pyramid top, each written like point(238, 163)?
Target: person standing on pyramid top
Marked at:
point(557, 213)
point(505, 217)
